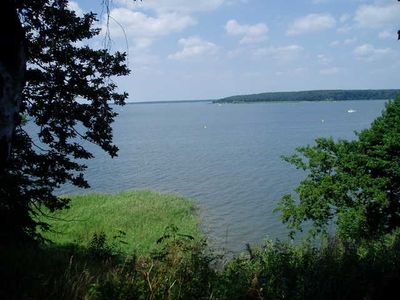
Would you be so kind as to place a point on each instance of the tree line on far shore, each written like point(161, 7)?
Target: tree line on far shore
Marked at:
point(318, 95)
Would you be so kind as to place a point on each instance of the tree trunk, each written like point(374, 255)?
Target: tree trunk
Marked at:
point(12, 68)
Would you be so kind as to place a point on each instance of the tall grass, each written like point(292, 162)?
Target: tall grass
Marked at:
point(134, 220)
point(173, 265)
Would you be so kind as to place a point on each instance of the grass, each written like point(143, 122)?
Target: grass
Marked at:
point(80, 264)
point(136, 219)
point(163, 254)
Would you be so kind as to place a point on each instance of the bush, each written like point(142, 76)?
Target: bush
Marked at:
point(333, 271)
point(183, 269)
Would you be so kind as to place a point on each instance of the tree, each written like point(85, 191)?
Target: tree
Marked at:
point(353, 184)
point(12, 69)
point(67, 90)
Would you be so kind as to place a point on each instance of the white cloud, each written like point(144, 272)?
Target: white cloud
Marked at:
point(311, 23)
point(346, 28)
point(369, 53)
point(344, 18)
point(166, 6)
point(335, 43)
point(143, 42)
point(235, 53)
point(345, 42)
point(249, 33)
point(194, 47)
point(323, 59)
point(72, 5)
point(350, 41)
point(143, 29)
point(280, 53)
point(386, 34)
point(376, 16)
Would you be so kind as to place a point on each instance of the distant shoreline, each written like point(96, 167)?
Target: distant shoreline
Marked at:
point(246, 102)
point(170, 102)
point(312, 96)
point(296, 101)
point(297, 96)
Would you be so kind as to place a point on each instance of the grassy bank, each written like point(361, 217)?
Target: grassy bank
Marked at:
point(85, 262)
point(132, 220)
point(130, 245)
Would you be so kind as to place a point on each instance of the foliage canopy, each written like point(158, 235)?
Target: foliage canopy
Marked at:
point(354, 184)
point(67, 92)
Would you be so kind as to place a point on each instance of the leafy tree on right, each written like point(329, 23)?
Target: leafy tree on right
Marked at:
point(353, 184)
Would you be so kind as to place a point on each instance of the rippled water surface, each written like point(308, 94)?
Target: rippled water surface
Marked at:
point(226, 157)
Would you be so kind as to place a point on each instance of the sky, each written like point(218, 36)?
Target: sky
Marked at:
point(209, 49)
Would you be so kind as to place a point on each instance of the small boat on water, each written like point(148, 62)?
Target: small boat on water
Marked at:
point(350, 111)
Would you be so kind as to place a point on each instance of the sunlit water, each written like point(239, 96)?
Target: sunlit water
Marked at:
point(226, 157)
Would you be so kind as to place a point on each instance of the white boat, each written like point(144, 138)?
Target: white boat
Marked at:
point(350, 111)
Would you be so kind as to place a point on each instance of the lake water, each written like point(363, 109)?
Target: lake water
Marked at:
point(226, 157)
